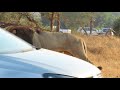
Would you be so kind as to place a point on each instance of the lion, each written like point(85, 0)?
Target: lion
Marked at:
point(61, 42)
point(56, 41)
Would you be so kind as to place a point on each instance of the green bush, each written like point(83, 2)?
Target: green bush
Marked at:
point(116, 26)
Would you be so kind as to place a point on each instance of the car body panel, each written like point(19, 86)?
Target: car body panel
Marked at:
point(65, 30)
point(67, 64)
point(11, 43)
point(12, 67)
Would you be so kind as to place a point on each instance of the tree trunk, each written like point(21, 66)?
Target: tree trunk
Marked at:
point(58, 22)
point(91, 22)
point(52, 21)
point(85, 31)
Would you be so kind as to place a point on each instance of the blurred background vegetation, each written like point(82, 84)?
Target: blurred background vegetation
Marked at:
point(71, 20)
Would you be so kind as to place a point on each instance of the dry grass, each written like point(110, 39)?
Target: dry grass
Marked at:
point(104, 51)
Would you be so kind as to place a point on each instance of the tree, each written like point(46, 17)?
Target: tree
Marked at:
point(91, 21)
point(104, 19)
point(31, 19)
point(116, 26)
point(58, 22)
point(52, 20)
point(79, 19)
point(52, 17)
point(74, 20)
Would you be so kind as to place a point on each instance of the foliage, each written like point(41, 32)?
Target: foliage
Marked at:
point(31, 19)
point(101, 19)
point(104, 19)
point(72, 20)
point(116, 26)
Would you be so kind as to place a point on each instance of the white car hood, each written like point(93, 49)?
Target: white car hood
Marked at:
point(70, 65)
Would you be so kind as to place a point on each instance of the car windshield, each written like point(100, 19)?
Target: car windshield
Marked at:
point(10, 43)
